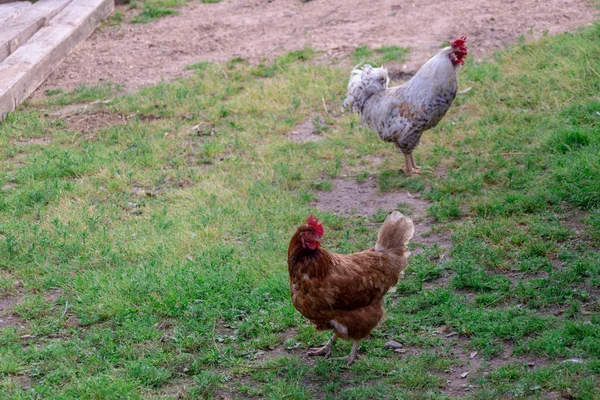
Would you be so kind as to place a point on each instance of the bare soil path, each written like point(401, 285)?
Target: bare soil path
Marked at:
point(136, 55)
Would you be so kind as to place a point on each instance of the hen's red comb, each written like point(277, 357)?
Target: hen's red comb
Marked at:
point(314, 223)
point(459, 42)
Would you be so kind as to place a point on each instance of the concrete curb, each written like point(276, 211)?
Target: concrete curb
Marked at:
point(17, 31)
point(25, 69)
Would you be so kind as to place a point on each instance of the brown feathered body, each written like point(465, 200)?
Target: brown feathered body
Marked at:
point(345, 292)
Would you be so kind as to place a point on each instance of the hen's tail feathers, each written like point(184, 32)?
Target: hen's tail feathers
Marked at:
point(364, 82)
point(395, 233)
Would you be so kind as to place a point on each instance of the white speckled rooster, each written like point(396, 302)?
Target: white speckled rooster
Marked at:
point(402, 113)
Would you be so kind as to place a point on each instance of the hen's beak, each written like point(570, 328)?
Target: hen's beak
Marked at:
point(313, 245)
point(318, 241)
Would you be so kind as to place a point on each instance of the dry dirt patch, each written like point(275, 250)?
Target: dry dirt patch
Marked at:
point(142, 54)
point(7, 318)
point(30, 141)
point(306, 131)
point(349, 197)
point(177, 389)
point(92, 122)
point(366, 164)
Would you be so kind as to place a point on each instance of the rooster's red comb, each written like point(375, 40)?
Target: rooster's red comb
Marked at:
point(459, 42)
point(314, 223)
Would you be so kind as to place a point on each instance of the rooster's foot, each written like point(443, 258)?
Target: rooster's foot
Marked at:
point(411, 172)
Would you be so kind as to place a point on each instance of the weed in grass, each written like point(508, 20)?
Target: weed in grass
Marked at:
point(380, 55)
point(116, 18)
point(594, 224)
point(446, 210)
point(235, 61)
point(577, 178)
point(199, 66)
point(362, 176)
point(205, 384)
point(362, 53)
point(392, 53)
point(394, 180)
point(319, 125)
point(404, 208)
point(569, 139)
point(53, 92)
point(323, 185)
point(151, 12)
point(83, 94)
point(266, 70)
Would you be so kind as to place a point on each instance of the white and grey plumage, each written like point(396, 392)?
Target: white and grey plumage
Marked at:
point(402, 113)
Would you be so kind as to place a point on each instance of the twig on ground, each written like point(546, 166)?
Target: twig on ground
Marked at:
point(65, 310)
point(516, 154)
point(592, 68)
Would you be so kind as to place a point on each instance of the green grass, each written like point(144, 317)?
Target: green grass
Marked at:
point(151, 12)
point(149, 257)
point(199, 66)
point(115, 19)
point(82, 94)
point(382, 55)
point(152, 9)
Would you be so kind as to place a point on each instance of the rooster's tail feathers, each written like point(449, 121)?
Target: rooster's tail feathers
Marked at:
point(364, 82)
point(395, 233)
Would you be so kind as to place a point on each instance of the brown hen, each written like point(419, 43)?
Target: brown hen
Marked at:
point(344, 292)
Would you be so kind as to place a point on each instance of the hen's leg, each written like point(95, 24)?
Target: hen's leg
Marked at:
point(325, 350)
point(353, 353)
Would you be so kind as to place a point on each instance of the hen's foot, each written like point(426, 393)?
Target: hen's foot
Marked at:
point(353, 353)
point(352, 357)
point(320, 351)
point(325, 350)
point(349, 358)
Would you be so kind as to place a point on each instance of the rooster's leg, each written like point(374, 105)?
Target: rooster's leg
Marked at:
point(353, 353)
point(409, 169)
point(414, 166)
point(325, 350)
